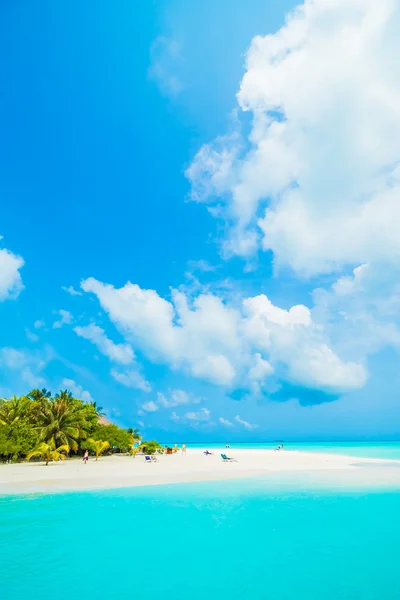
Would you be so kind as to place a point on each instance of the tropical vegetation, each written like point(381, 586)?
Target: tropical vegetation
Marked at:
point(98, 446)
point(48, 452)
point(40, 425)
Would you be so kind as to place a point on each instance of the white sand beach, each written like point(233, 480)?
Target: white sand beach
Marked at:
point(125, 471)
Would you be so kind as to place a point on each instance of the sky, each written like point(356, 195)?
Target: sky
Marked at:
point(199, 214)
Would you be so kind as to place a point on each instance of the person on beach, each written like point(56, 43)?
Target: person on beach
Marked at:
point(86, 457)
point(183, 448)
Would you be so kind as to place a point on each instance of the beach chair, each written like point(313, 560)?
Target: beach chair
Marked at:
point(226, 458)
point(148, 459)
point(154, 458)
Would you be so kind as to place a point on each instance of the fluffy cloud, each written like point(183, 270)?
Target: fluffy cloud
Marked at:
point(66, 319)
point(201, 339)
point(228, 345)
point(175, 398)
point(132, 379)
point(294, 341)
point(119, 353)
point(149, 407)
point(76, 390)
point(10, 278)
point(318, 182)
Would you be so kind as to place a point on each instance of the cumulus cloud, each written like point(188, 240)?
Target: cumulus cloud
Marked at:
point(66, 318)
point(225, 344)
point(119, 353)
point(10, 277)
point(149, 407)
point(245, 424)
point(76, 390)
point(318, 181)
point(131, 378)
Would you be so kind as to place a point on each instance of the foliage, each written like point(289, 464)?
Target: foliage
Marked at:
point(39, 419)
point(98, 446)
point(115, 436)
point(63, 420)
point(151, 447)
point(17, 440)
point(49, 452)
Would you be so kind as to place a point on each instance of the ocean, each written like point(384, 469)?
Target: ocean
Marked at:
point(230, 540)
point(386, 450)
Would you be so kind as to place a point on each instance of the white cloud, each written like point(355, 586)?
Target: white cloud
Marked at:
point(38, 324)
point(149, 407)
point(319, 183)
point(198, 342)
point(28, 366)
point(119, 353)
point(293, 340)
point(76, 390)
point(175, 398)
point(132, 379)
point(245, 424)
point(228, 345)
point(225, 422)
point(10, 277)
point(71, 291)
point(201, 415)
point(66, 318)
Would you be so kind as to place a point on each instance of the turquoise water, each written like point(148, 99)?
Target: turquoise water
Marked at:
point(388, 450)
point(227, 540)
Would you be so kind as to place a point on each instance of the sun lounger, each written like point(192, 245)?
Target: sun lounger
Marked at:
point(154, 459)
point(226, 458)
point(148, 459)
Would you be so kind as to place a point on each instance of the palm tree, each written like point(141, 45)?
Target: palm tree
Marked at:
point(49, 452)
point(14, 409)
point(39, 394)
point(62, 420)
point(98, 410)
point(135, 435)
point(98, 446)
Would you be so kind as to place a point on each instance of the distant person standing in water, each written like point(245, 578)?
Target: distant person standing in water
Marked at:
point(227, 446)
point(86, 457)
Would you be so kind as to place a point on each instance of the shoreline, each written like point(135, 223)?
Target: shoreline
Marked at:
point(288, 467)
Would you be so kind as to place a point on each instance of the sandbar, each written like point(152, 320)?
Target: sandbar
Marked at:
point(119, 471)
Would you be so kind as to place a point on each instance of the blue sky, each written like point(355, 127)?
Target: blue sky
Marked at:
point(199, 208)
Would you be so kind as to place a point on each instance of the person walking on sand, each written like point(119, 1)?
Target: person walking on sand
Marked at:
point(183, 448)
point(86, 457)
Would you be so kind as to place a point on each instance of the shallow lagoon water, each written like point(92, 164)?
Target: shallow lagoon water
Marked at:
point(383, 450)
point(221, 540)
